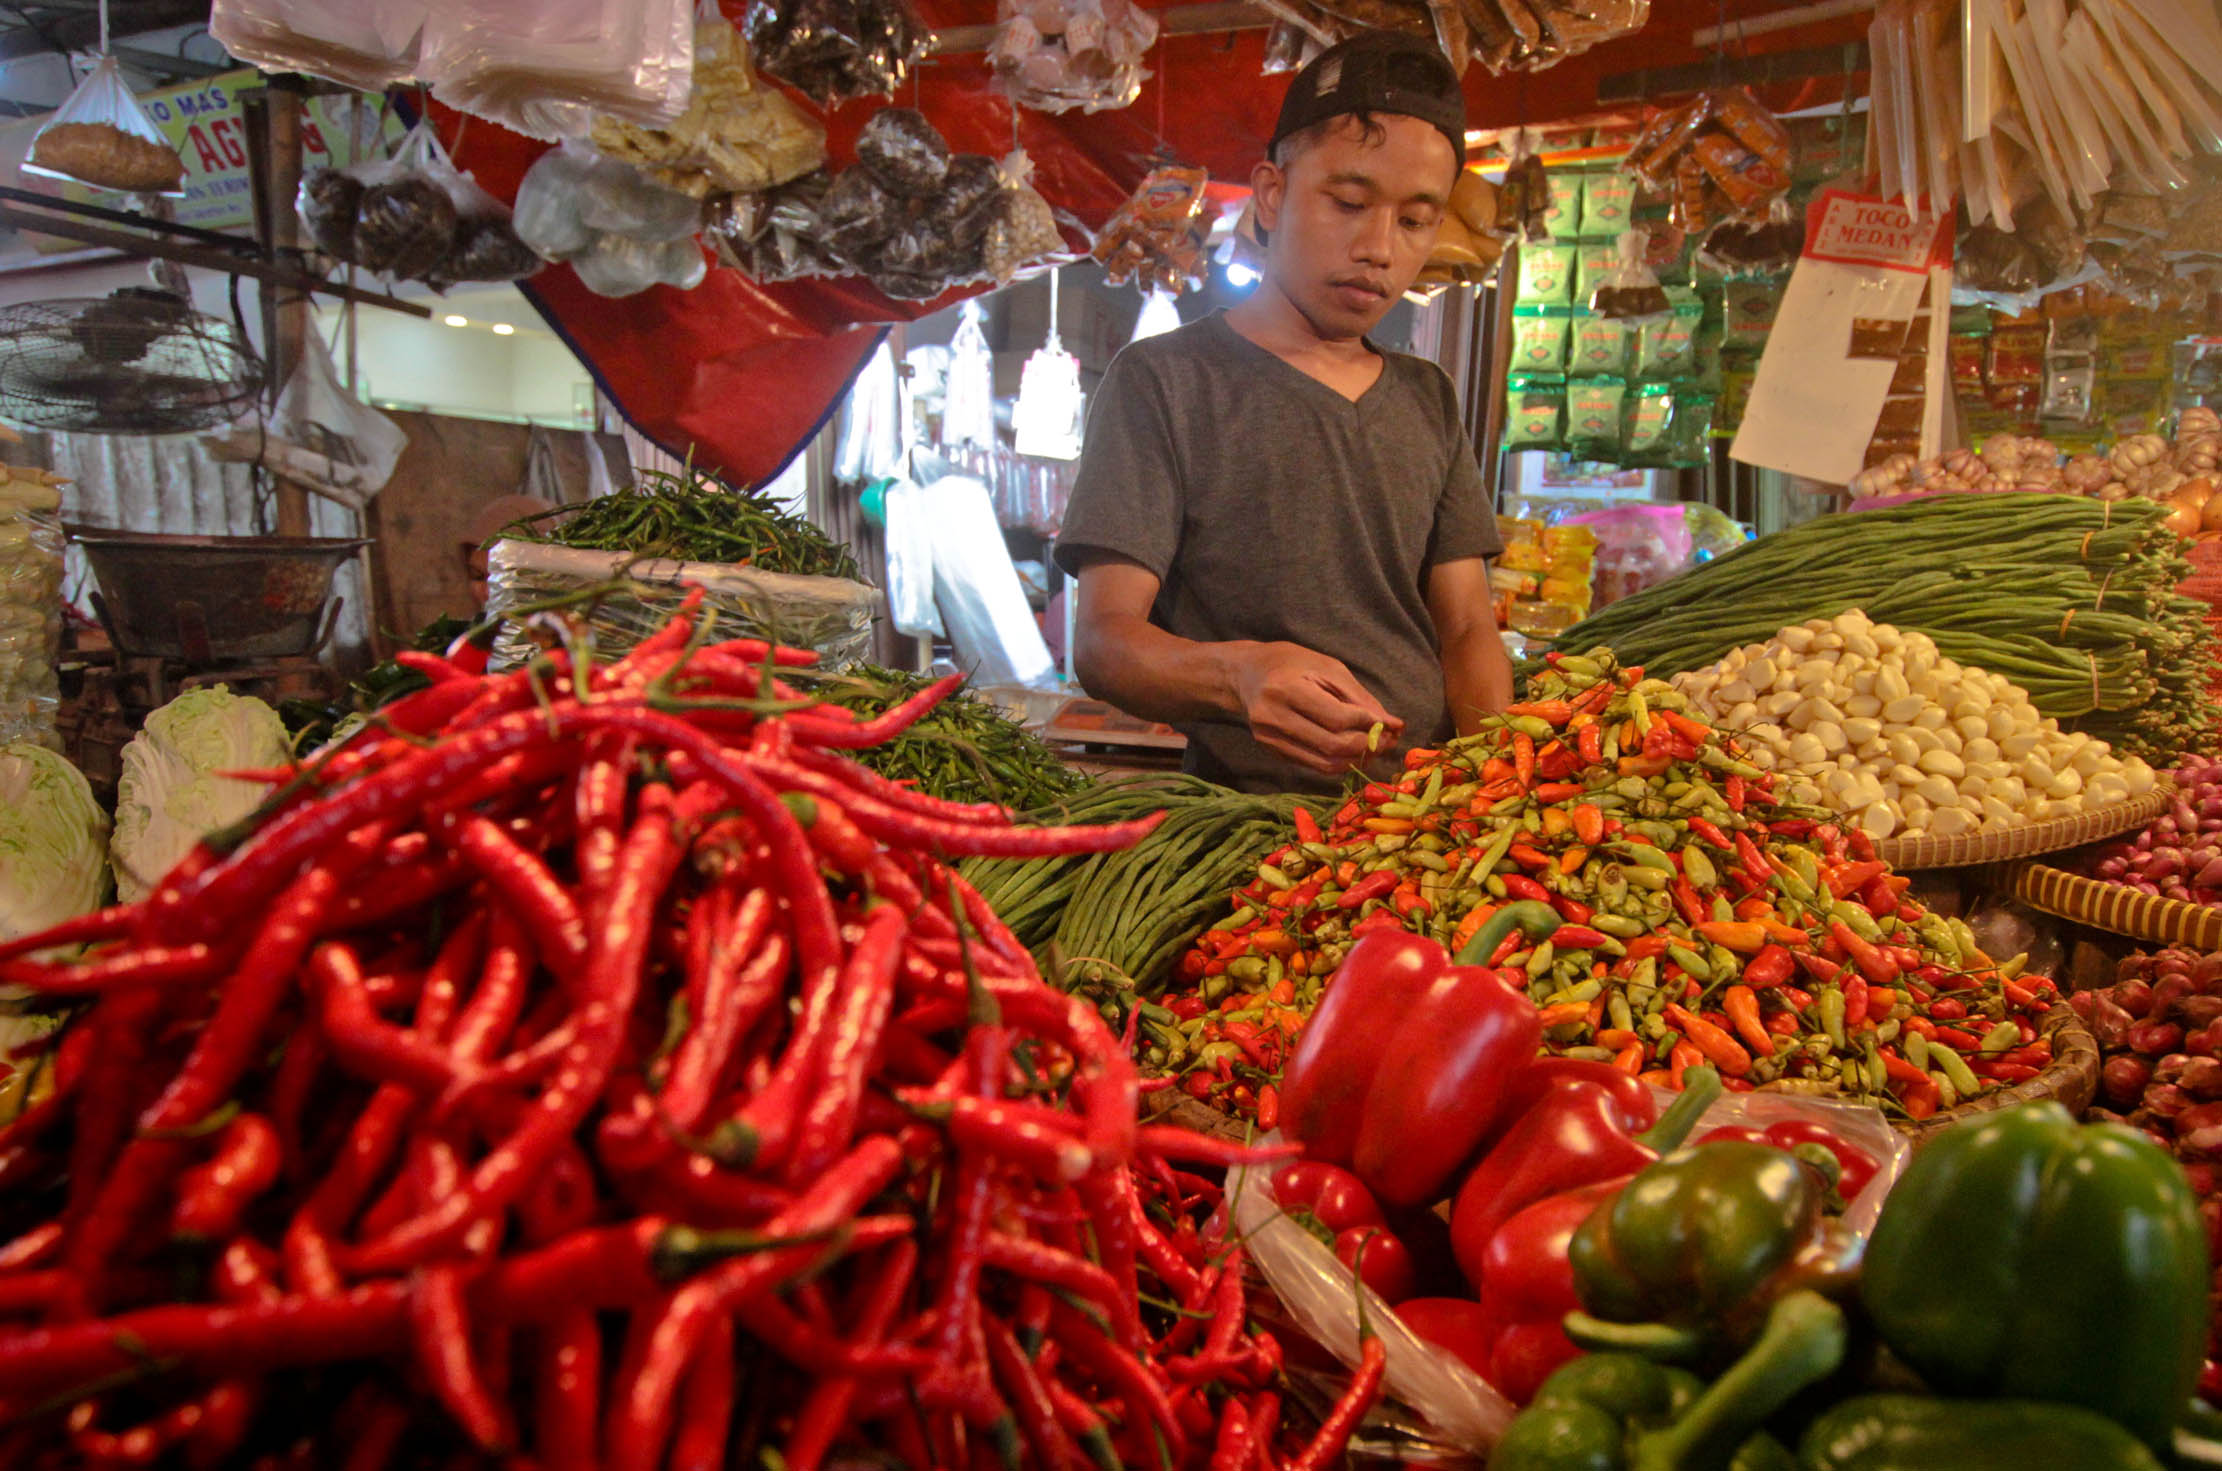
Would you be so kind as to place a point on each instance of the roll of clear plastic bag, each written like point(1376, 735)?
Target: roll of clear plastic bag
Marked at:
point(369, 45)
point(544, 68)
point(101, 136)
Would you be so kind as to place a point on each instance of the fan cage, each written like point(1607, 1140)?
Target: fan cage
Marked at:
point(138, 362)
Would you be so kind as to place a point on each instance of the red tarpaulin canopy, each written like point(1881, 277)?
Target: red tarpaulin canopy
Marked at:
point(745, 374)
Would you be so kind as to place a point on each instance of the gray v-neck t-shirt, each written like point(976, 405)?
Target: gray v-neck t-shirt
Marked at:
point(1270, 507)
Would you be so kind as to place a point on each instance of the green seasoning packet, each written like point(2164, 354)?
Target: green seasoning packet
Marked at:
point(1595, 263)
point(1688, 437)
point(1608, 198)
point(1650, 410)
point(1547, 272)
point(1667, 347)
point(1600, 344)
point(1535, 406)
point(1593, 416)
point(1564, 216)
point(1539, 338)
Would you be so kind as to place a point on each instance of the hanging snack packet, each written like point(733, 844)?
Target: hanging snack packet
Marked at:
point(1666, 347)
point(1630, 290)
point(1689, 438)
point(1056, 55)
point(1025, 230)
point(1562, 214)
point(837, 50)
point(1608, 197)
point(1547, 272)
point(102, 137)
point(1650, 411)
point(737, 136)
point(1600, 344)
point(1539, 338)
point(1593, 416)
point(904, 152)
point(1535, 411)
point(775, 235)
point(1151, 236)
point(1744, 248)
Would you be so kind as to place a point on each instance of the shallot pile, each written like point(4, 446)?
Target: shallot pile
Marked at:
point(2181, 472)
point(2160, 1025)
point(2180, 855)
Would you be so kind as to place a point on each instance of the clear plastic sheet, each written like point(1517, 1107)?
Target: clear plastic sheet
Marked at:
point(546, 68)
point(368, 45)
point(102, 137)
point(1464, 1411)
point(1057, 55)
point(30, 610)
point(829, 614)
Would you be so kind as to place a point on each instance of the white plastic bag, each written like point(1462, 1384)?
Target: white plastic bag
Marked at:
point(1463, 1408)
point(829, 614)
point(910, 562)
point(991, 626)
point(968, 399)
point(102, 137)
point(545, 67)
point(320, 436)
point(368, 45)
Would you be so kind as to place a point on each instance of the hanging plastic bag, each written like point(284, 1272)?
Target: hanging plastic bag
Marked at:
point(774, 236)
point(485, 245)
point(102, 137)
point(837, 50)
point(1630, 290)
point(320, 436)
point(968, 400)
point(910, 562)
point(1152, 238)
point(1741, 248)
point(546, 68)
point(1051, 408)
point(1056, 55)
point(396, 216)
point(737, 135)
point(620, 265)
point(368, 45)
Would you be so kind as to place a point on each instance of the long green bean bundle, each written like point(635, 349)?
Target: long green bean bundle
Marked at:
point(1111, 920)
point(965, 749)
point(2072, 599)
point(693, 520)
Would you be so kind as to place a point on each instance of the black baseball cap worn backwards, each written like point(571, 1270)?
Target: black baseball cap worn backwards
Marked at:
point(1377, 71)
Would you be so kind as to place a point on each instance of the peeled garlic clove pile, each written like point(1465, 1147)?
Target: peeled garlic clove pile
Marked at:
point(1877, 722)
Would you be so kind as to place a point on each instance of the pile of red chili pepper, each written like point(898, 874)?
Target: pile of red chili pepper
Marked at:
point(588, 1065)
point(1664, 907)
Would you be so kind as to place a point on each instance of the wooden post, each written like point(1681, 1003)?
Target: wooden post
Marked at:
point(285, 315)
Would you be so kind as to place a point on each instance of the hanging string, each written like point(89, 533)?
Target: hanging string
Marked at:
point(104, 27)
point(1720, 44)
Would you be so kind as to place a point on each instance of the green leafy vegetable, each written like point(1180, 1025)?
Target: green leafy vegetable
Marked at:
point(53, 841)
point(168, 794)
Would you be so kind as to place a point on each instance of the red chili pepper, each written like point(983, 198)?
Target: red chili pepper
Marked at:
point(213, 1195)
point(1772, 966)
point(1717, 1047)
point(1693, 910)
point(1589, 743)
point(1523, 759)
point(1520, 886)
point(1573, 911)
point(1879, 969)
point(1710, 833)
point(1326, 1448)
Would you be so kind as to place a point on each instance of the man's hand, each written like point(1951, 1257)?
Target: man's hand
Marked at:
point(1309, 708)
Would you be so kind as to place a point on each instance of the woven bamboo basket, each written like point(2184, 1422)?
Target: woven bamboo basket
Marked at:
point(2116, 908)
point(2026, 840)
point(2072, 1080)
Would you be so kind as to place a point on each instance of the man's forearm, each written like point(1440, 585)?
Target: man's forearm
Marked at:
point(1155, 675)
point(1477, 676)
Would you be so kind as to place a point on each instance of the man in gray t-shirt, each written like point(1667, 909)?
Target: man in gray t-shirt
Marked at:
point(1280, 530)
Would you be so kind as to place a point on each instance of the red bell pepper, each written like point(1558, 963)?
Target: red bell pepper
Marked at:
point(1400, 1071)
point(1575, 1135)
point(1855, 1167)
point(1638, 1109)
point(1323, 1091)
point(1440, 1089)
point(1457, 1325)
point(1313, 1191)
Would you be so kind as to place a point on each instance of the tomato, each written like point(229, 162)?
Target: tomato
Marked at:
point(1854, 1167)
point(1459, 1326)
point(1526, 1354)
point(1386, 1266)
point(1737, 1135)
point(1329, 1195)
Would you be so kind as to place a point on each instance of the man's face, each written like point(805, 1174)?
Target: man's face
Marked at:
point(1352, 217)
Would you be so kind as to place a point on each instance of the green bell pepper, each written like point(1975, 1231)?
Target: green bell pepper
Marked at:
point(2022, 1256)
point(1622, 1412)
point(1907, 1432)
point(1691, 1248)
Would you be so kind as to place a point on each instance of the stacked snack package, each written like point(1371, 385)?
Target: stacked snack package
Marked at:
point(1542, 582)
point(1153, 239)
point(1719, 156)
